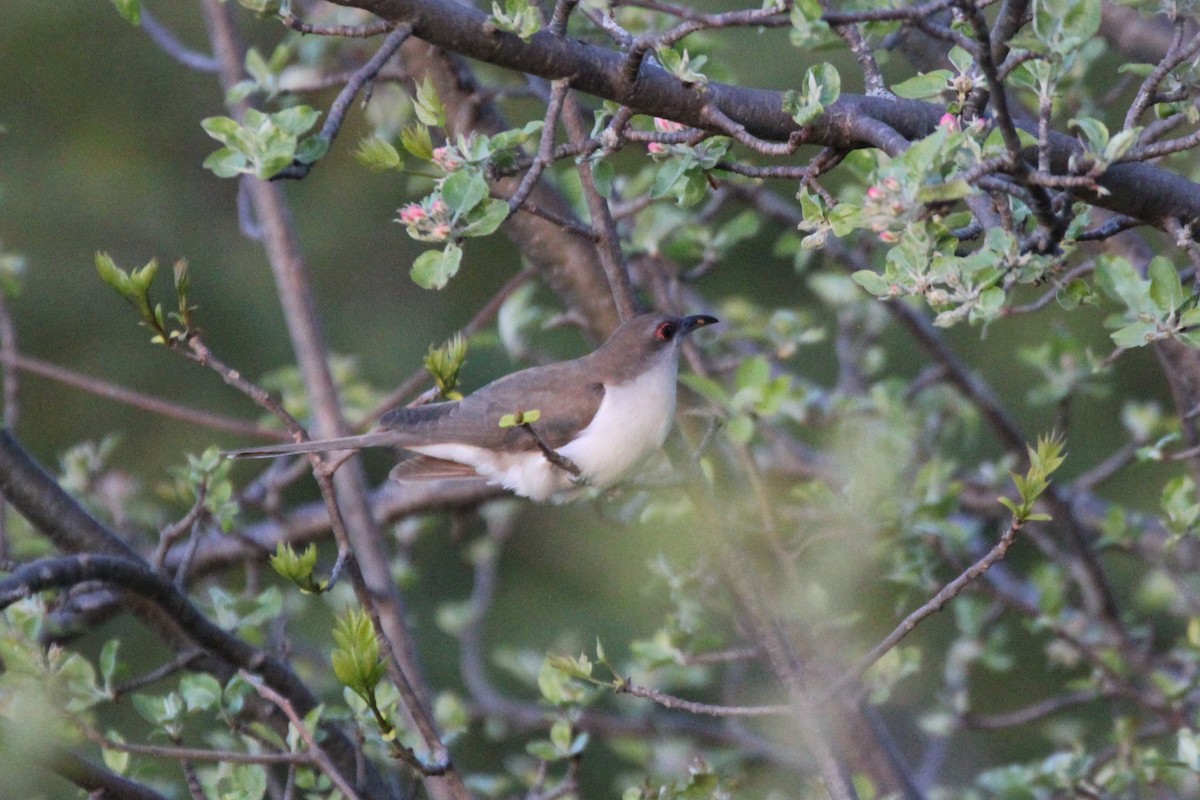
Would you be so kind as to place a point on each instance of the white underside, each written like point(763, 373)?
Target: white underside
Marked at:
point(632, 422)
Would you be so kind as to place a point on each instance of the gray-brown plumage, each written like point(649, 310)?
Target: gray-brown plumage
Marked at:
point(605, 412)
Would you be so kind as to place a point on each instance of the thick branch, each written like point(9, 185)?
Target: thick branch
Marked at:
point(1138, 190)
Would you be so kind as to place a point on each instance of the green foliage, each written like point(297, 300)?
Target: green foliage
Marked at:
point(682, 65)
point(356, 660)
point(131, 10)
point(1157, 308)
point(444, 363)
point(520, 17)
point(809, 30)
point(263, 145)
point(433, 269)
point(265, 73)
point(428, 106)
point(207, 476)
point(1047, 457)
point(298, 567)
point(134, 286)
point(683, 172)
point(822, 85)
point(379, 155)
point(520, 418)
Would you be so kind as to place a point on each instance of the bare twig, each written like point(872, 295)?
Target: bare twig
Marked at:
point(611, 256)
point(933, 605)
point(545, 153)
point(315, 751)
point(337, 111)
point(110, 391)
point(670, 701)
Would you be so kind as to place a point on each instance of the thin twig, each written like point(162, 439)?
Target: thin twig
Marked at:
point(315, 751)
point(933, 605)
point(611, 257)
point(553, 456)
point(345, 98)
point(193, 753)
point(170, 44)
point(351, 31)
point(110, 391)
point(670, 701)
point(545, 152)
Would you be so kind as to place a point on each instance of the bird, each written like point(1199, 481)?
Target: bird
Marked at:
point(587, 422)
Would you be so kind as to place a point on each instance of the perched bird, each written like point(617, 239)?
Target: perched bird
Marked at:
point(599, 416)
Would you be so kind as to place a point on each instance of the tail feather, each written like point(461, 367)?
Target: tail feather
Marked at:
point(377, 439)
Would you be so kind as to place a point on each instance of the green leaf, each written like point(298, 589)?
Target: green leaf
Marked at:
point(356, 661)
point(312, 150)
point(297, 567)
point(224, 129)
point(428, 106)
point(873, 282)
point(486, 218)
point(227, 163)
point(108, 662)
point(1166, 289)
point(376, 154)
point(131, 10)
point(416, 140)
point(444, 364)
point(944, 192)
point(433, 269)
point(822, 85)
point(1136, 334)
point(924, 86)
point(200, 691)
point(296, 120)
point(463, 190)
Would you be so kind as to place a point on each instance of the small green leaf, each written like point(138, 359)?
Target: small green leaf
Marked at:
point(924, 86)
point(463, 190)
point(434, 268)
point(1166, 289)
point(428, 106)
point(416, 140)
point(486, 218)
point(376, 154)
point(131, 10)
point(1136, 334)
point(312, 150)
point(356, 661)
point(873, 282)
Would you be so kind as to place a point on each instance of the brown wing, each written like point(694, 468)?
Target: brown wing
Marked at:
point(428, 468)
point(565, 394)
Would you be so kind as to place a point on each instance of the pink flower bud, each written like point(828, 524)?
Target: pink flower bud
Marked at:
point(441, 231)
point(439, 208)
point(656, 148)
point(949, 122)
point(444, 157)
point(889, 237)
point(412, 213)
point(667, 125)
point(874, 193)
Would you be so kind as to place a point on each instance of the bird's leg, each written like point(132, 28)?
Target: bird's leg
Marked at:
point(552, 455)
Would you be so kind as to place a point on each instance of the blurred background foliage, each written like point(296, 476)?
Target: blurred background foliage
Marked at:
point(102, 151)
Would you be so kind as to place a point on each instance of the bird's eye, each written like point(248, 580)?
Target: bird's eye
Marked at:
point(665, 331)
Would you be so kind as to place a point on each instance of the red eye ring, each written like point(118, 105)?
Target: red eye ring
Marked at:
point(665, 331)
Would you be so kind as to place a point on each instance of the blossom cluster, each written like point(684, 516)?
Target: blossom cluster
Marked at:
point(428, 220)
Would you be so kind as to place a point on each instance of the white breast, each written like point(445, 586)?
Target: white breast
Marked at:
point(633, 421)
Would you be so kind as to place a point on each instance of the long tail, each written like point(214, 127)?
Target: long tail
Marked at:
point(377, 439)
